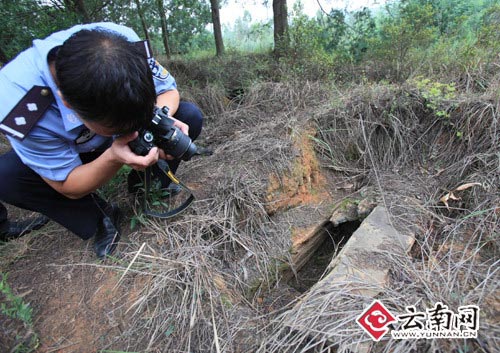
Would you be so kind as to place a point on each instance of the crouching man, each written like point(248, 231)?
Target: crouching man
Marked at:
point(69, 105)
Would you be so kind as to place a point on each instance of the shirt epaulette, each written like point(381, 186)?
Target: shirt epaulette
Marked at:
point(145, 47)
point(25, 114)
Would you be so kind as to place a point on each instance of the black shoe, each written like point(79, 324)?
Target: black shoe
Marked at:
point(12, 230)
point(136, 186)
point(135, 181)
point(173, 189)
point(108, 233)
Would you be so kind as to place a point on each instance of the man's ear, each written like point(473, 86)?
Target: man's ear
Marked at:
point(66, 104)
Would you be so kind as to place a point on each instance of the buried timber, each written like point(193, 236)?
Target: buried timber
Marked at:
point(217, 277)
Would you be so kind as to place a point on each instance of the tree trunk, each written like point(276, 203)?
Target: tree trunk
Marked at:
point(280, 18)
point(219, 44)
point(143, 20)
point(164, 29)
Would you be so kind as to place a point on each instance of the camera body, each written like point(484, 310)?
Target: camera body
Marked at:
point(161, 132)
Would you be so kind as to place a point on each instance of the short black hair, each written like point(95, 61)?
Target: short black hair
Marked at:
point(106, 79)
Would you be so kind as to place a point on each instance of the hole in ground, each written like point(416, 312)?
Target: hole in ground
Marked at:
point(334, 239)
point(236, 94)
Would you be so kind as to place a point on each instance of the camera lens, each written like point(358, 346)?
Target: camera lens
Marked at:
point(180, 146)
point(190, 151)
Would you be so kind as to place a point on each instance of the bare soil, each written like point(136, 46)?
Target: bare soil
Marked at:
point(72, 295)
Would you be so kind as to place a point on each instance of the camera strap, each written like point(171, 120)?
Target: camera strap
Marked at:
point(147, 182)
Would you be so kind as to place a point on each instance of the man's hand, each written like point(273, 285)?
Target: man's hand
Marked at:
point(88, 177)
point(182, 126)
point(122, 153)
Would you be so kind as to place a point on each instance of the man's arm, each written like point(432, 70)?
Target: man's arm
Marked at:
point(171, 99)
point(88, 177)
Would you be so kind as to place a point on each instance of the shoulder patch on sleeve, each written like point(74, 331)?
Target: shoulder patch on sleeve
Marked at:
point(159, 71)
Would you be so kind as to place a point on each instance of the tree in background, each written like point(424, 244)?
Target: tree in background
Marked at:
point(140, 13)
point(81, 11)
point(489, 31)
point(219, 43)
point(280, 20)
point(333, 27)
point(399, 39)
point(24, 20)
point(248, 35)
point(14, 32)
point(359, 33)
point(78, 7)
point(164, 28)
point(303, 35)
point(187, 19)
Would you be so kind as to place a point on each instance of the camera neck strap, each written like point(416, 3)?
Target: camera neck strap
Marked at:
point(147, 182)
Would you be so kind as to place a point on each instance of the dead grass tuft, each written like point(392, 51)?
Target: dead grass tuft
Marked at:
point(207, 267)
point(388, 137)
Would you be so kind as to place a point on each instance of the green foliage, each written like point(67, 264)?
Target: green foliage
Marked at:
point(303, 31)
point(404, 38)
point(186, 22)
point(332, 28)
point(361, 30)
point(452, 17)
point(406, 26)
point(437, 99)
point(431, 36)
point(435, 95)
point(187, 19)
point(116, 185)
point(24, 20)
point(247, 36)
point(306, 57)
point(14, 307)
point(488, 29)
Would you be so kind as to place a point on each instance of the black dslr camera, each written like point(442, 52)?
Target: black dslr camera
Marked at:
point(161, 132)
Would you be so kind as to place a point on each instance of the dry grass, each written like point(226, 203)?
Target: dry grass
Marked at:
point(387, 137)
point(204, 270)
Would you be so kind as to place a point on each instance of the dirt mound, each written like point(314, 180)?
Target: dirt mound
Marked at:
point(415, 153)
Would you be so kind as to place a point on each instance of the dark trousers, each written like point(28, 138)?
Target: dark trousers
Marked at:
point(22, 187)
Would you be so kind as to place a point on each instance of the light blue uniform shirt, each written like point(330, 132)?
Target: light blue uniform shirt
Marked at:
point(52, 147)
